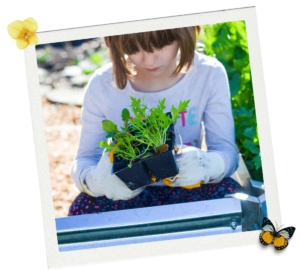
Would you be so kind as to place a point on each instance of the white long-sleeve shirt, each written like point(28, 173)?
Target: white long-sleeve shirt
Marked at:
point(205, 85)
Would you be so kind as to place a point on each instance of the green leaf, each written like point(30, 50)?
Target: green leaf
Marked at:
point(136, 150)
point(250, 144)
point(249, 164)
point(229, 69)
point(147, 155)
point(250, 133)
point(162, 104)
point(244, 123)
point(244, 111)
point(234, 84)
point(105, 144)
point(125, 115)
point(235, 112)
point(119, 135)
point(135, 102)
point(250, 113)
point(96, 58)
point(226, 55)
point(182, 107)
point(109, 127)
point(257, 162)
point(255, 150)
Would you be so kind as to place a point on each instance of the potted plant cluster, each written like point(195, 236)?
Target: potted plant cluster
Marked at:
point(144, 148)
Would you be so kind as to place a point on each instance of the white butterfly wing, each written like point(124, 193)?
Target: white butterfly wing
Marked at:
point(268, 228)
point(288, 232)
point(267, 225)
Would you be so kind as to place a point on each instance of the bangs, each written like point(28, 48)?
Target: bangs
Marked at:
point(129, 44)
point(148, 41)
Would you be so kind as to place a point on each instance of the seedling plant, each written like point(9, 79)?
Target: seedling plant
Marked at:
point(145, 135)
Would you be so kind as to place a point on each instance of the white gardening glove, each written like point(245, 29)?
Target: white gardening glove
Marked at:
point(98, 181)
point(196, 165)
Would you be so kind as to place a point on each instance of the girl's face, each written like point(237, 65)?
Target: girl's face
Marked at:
point(158, 63)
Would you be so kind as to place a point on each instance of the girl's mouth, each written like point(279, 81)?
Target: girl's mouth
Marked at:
point(154, 69)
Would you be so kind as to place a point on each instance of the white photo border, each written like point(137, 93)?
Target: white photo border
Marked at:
point(117, 253)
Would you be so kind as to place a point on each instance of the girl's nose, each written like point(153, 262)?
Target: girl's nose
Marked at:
point(149, 59)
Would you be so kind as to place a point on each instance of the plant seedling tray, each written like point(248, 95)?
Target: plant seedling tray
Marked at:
point(164, 165)
point(161, 166)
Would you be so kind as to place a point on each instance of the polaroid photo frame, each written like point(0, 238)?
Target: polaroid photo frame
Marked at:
point(155, 244)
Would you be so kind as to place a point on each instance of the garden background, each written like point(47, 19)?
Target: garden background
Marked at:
point(65, 68)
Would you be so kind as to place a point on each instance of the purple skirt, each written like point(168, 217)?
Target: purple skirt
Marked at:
point(153, 196)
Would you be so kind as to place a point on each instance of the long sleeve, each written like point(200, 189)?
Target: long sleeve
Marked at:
point(89, 152)
point(218, 120)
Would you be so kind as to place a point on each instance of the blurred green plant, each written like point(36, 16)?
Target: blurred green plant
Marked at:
point(72, 62)
point(98, 57)
point(228, 43)
point(44, 55)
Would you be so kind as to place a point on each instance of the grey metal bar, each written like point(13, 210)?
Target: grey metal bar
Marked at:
point(148, 215)
point(257, 184)
point(152, 238)
point(254, 210)
point(262, 199)
point(258, 188)
point(144, 224)
point(243, 197)
point(173, 226)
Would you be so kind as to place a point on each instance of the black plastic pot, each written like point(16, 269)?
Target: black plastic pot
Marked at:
point(161, 166)
point(135, 177)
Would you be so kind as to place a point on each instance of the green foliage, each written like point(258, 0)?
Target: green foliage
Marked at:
point(125, 115)
point(228, 43)
point(153, 128)
point(110, 128)
point(126, 147)
point(150, 130)
point(44, 55)
point(94, 60)
point(98, 57)
point(127, 144)
point(72, 62)
point(86, 72)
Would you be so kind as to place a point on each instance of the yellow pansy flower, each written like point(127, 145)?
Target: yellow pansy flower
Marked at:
point(24, 32)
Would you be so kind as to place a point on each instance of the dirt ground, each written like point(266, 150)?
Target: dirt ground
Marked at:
point(62, 121)
point(62, 125)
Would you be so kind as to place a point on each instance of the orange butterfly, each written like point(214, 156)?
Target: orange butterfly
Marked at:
point(270, 235)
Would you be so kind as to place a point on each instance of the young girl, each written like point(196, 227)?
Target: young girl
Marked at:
point(157, 65)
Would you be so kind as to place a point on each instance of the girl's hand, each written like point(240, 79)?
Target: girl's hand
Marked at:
point(196, 165)
point(101, 182)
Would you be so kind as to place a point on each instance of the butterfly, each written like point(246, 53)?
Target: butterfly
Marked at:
point(278, 238)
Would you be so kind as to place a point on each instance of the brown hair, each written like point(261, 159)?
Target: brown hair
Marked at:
point(130, 43)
